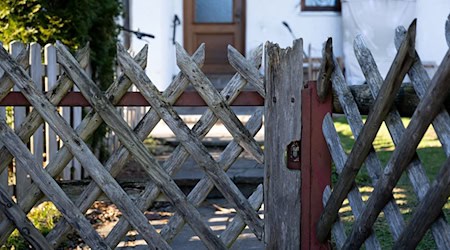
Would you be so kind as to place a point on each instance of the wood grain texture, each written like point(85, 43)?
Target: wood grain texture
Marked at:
point(33, 120)
point(88, 125)
point(191, 143)
point(11, 211)
point(205, 185)
point(201, 128)
point(284, 82)
point(218, 104)
point(372, 163)
point(80, 150)
point(338, 229)
point(111, 117)
point(416, 173)
point(245, 68)
point(354, 196)
point(49, 186)
point(363, 144)
point(428, 210)
point(422, 118)
point(236, 226)
point(326, 69)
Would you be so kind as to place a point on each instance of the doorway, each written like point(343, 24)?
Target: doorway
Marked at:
point(216, 23)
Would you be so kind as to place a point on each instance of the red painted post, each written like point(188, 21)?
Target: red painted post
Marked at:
point(315, 164)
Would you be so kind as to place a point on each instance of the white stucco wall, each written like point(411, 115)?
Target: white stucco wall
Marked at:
point(431, 17)
point(263, 23)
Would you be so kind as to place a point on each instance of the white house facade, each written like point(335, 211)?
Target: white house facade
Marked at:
point(247, 23)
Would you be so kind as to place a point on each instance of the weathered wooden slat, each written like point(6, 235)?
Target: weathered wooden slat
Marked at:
point(21, 55)
point(284, 82)
point(421, 82)
point(3, 174)
point(191, 143)
point(89, 124)
point(80, 150)
point(121, 155)
point(246, 70)
point(326, 69)
point(33, 120)
point(354, 196)
point(363, 143)
point(201, 128)
point(235, 228)
point(217, 104)
point(373, 164)
point(48, 185)
point(205, 185)
point(416, 173)
point(108, 113)
point(50, 81)
point(428, 210)
point(11, 211)
point(338, 229)
point(19, 115)
point(37, 140)
point(425, 113)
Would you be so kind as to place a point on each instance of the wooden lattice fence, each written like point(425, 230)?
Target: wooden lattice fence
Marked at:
point(431, 196)
point(14, 214)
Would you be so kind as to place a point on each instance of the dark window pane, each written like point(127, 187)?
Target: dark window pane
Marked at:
point(214, 11)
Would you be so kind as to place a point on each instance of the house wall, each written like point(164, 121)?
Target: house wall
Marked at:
point(431, 17)
point(263, 23)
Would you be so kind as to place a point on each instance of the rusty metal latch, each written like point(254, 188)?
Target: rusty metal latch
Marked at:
point(293, 155)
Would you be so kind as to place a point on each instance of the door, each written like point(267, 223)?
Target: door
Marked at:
point(216, 23)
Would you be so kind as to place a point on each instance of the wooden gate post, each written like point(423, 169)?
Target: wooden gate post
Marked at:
point(315, 164)
point(284, 82)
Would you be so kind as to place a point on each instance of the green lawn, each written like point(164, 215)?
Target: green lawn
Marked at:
point(432, 157)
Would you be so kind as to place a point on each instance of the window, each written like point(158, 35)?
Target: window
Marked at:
point(321, 5)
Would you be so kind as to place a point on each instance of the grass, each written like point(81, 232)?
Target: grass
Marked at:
point(430, 152)
point(44, 218)
point(432, 157)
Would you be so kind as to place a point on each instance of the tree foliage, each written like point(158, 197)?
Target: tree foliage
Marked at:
point(74, 22)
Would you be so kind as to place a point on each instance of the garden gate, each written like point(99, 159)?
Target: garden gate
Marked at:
point(431, 197)
point(284, 66)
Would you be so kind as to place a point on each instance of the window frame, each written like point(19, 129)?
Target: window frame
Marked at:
point(336, 7)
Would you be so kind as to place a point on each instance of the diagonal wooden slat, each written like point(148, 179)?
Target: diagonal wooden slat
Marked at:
point(205, 185)
point(7, 84)
point(80, 150)
point(416, 173)
point(121, 155)
point(109, 114)
point(422, 118)
point(339, 158)
point(363, 143)
point(246, 70)
point(338, 229)
point(428, 210)
point(201, 128)
point(217, 104)
point(11, 211)
point(372, 163)
point(33, 120)
point(49, 186)
point(191, 143)
point(421, 81)
point(236, 226)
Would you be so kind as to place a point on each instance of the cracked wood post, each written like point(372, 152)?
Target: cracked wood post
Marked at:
point(284, 82)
